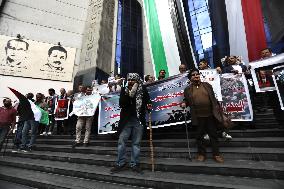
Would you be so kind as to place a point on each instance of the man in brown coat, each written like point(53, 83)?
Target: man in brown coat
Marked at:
point(204, 114)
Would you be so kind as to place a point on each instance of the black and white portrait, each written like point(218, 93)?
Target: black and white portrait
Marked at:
point(56, 59)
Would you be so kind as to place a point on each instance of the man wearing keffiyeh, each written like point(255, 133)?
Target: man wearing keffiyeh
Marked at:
point(134, 101)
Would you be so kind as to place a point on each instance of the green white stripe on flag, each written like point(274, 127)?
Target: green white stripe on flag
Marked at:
point(162, 39)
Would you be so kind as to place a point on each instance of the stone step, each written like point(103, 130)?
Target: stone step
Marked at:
point(246, 153)
point(42, 180)
point(11, 185)
point(180, 133)
point(248, 168)
point(148, 179)
point(273, 142)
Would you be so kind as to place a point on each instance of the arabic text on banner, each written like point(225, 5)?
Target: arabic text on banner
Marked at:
point(236, 98)
point(109, 114)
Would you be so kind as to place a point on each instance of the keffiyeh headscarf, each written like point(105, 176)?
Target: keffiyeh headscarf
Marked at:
point(136, 89)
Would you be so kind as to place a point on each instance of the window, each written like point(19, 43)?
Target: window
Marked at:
point(129, 42)
point(197, 13)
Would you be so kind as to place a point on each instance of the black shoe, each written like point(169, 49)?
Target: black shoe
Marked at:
point(86, 144)
point(75, 145)
point(117, 168)
point(30, 148)
point(137, 169)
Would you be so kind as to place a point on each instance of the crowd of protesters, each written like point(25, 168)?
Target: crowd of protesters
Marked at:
point(199, 96)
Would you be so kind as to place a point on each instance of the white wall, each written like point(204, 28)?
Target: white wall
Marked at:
point(49, 21)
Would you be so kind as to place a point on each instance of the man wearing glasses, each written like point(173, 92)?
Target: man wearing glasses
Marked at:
point(204, 114)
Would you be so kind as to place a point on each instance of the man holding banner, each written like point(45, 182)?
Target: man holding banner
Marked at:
point(204, 113)
point(134, 101)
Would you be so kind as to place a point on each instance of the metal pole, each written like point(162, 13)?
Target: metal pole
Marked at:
point(187, 137)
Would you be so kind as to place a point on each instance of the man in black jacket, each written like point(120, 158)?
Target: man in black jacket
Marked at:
point(134, 101)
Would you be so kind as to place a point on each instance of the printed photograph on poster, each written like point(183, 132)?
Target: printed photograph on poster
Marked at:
point(61, 110)
point(278, 77)
point(261, 72)
point(236, 99)
point(27, 58)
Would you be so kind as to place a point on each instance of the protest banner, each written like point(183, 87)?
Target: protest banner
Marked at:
point(261, 72)
point(61, 110)
point(278, 77)
point(236, 99)
point(166, 96)
point(212, 77)
point(109, 113)
point(86, 105)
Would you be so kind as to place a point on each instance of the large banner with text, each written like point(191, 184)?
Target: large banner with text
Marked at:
point(166, 96)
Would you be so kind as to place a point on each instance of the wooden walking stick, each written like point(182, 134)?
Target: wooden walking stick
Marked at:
point(151, 143)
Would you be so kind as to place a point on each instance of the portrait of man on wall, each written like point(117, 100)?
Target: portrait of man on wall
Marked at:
point(16, 54)
point(56, 59)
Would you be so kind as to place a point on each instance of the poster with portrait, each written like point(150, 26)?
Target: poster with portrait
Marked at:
point(278, 77)
point(61, 110)
point(261, 72)
point(33, 59)
point(86, 105)
point(212, 77)
point(109, 113)
point(236, 99)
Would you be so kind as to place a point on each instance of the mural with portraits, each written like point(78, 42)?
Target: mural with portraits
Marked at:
point(33, 59)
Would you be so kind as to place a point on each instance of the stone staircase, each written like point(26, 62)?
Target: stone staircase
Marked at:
point(253, 159)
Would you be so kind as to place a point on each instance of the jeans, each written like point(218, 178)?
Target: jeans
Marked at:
point(33, 125)
point(136, 129)
point(3, 133)
point(18, 137)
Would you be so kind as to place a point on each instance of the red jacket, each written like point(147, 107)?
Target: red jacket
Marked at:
point(7, 116)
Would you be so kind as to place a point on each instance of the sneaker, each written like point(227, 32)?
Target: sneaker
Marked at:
point(137, 169)
point(226, 136)
point(44, 133)
point(200, 158)
point(49, 133)
point(118, 168)
point(218, 159)
point(206, 137)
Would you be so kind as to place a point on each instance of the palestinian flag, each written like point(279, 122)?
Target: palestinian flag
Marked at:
point(167, 35)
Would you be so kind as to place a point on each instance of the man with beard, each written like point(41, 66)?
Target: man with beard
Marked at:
point(7, 119)
point(134, 101)
point(57, 56)
point(205, 113)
